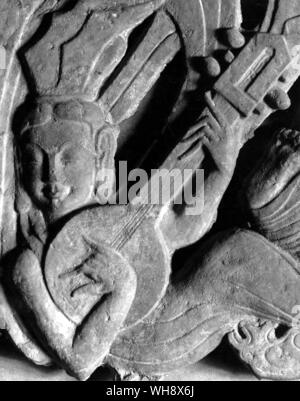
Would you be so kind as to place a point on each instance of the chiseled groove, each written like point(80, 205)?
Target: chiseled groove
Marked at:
point(291, 242)
point(170, 55)
point(200, 344)
point(174, 318)
point(271, 204)
point(257, 312)
point(109, 68)
point(288, 237)
point(119, 235)
point(131, 229)
point(274, 308)
point(249, 311)
point(140, 68)
point(281, 224)
point(280, 217)
point(174, 339)
point(203, 20)
point(267, 23)
point(62, 49)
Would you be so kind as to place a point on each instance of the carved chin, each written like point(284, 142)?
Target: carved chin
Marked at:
point(59, 208)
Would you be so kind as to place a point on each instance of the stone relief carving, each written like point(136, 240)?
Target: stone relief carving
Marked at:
point(85, 282)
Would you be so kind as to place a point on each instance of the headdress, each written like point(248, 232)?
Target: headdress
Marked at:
point(85, 46)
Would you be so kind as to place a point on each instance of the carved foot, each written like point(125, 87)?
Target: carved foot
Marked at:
point(271, 354)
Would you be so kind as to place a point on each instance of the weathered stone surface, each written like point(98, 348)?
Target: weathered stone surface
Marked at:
point(273, 191)
point(87, 282)
point(232, 283)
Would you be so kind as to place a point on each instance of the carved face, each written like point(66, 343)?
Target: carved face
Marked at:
point(58, 164)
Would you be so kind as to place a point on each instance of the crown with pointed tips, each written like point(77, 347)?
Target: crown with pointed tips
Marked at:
point(83, 47)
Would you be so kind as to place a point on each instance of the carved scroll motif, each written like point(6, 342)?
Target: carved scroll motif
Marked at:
point(271, 356)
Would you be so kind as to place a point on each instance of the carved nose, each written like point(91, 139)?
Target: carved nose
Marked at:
point(56, 191)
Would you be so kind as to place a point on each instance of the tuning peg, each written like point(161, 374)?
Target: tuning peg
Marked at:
point(277, 99)
point(211, 67)
point(229, 57)
point(234, 38)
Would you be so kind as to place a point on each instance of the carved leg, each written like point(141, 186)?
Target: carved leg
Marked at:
point(237, 276)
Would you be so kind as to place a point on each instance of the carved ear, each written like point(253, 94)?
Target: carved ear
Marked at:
point(106, 147)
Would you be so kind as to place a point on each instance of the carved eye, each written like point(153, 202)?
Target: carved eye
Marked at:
point(66, 161)
point(67, 158)
point(32, 156)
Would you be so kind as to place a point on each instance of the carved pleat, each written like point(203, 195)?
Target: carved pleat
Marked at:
point(279, 221)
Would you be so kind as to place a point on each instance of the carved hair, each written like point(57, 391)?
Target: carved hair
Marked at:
point(73, 110)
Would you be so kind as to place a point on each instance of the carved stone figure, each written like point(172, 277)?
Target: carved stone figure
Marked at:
point(87, 282)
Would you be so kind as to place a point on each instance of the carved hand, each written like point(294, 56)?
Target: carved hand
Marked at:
point(214, 133)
